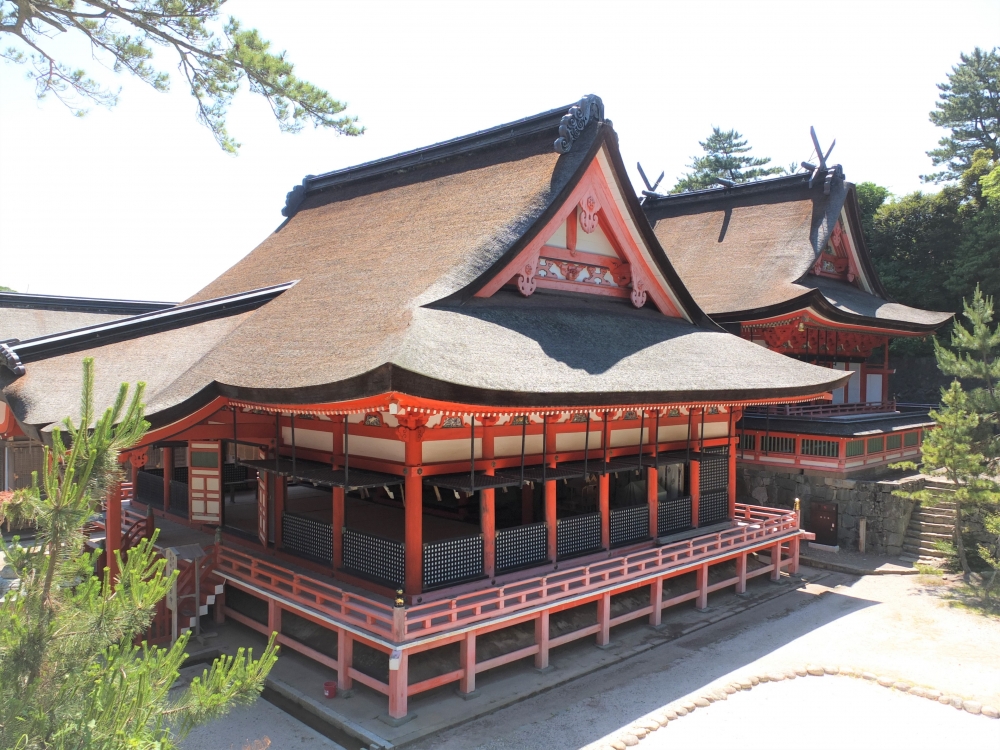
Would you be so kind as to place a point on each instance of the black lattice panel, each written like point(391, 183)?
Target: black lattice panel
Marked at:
point(714, 474)
point(307, 537)
point(374, 556)
point(521, 546)
point(149, 489)
point(713, 507)
point(629, 524)
point(179, 498)
point(578, 534)
point(453, 560)
point(673, 516)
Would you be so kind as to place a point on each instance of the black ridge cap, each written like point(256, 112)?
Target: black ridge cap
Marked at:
point(18, 300)
point(464, 144)
point(741, 189)
point(43, 347)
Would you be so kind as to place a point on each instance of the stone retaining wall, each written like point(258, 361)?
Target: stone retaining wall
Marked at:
point(888, 516)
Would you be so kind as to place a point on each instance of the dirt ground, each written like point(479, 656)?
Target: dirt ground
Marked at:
point(903, 627)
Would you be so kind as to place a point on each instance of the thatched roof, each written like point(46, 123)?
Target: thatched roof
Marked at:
point(746, 252)
point(386, 260)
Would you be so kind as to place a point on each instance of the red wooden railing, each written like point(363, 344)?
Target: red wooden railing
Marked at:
point(819, 410)
point(755, 526)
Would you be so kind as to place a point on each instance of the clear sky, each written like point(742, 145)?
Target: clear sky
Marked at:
point(139, 202)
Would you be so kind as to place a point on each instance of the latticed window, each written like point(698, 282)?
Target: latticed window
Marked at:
point(772, 444)
point(893, 441)
point(910, 439)
point(855, 448)
point(827, 448)
point(748, 442)
point(876, 444)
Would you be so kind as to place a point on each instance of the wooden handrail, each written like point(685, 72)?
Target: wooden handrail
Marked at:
point(755, 524)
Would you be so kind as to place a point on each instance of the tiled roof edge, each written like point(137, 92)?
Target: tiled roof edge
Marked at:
point(15, 355)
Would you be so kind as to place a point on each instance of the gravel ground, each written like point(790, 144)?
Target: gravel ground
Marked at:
point(259, 722)
point(893, 626)
point(861, 715)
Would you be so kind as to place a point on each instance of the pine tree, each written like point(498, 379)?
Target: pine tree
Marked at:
point(726, 156)
point(70, 676)
point(965, 443)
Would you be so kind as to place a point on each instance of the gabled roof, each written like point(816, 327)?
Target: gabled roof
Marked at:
point(387, 260)
point(746, 253)
point(28, 316)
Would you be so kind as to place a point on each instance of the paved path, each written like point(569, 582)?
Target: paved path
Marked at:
point(244, 726)
point(890, 625)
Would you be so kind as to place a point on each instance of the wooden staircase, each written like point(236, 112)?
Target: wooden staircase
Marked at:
point(930, 524)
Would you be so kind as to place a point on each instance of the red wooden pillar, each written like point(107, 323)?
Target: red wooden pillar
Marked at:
point(413, 499)
point(551, 518)
point(273, 616)
point(542, 640)
point(487, 502)
point(732, 476)
point(338, 527)
point(741, 574)
point(604, 620)
point(694, 480)
point(656, 601)
point(398, 682)
point(793, 551)
point(776, 562)
point(113, 527)
point(604, 505)
point(168, 474)
point(467, 660)
point(652, 497)
point(345, 658)
point(701, 578)
point(280, 490)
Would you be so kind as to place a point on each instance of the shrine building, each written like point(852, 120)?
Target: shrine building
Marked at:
point(782, 263)
point(461, 390)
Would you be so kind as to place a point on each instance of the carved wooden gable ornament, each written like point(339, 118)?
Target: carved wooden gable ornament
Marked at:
point(589, 247)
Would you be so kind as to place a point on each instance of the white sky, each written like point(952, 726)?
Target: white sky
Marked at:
point(139, 202)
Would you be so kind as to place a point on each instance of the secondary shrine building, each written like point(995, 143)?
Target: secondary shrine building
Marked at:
point(782, 263)
point(458, 390)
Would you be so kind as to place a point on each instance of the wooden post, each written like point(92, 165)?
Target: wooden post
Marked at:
point(701, 578)
point(487, 504)
point(273, 616)
point(345, 658)
point(527, 504)
point(793, 550)
point(542, 640)
point(339, 516)
point(741, 574)
point(113, 528)
point(280, 492)
point(414, 509)
point(733, 441)
point(398, 682)
point(604, 620)
point(467, 660)
point(168, 474)
point(604, 505)
point(652, 497)
point(551, 522)
point(656, 600)
point(776, 562)
point(694, 479)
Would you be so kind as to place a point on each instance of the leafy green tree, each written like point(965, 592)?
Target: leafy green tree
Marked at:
point(968, 106)
point(966, 441)
point(70, 674)
point(5, 289)
point(124, 33)
point(871, 198)
point(727, 155)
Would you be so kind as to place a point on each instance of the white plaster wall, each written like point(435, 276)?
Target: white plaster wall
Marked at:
point(510, 445)
point(673, 433)
point(435, 451)
point(621, 438)
point(314, 439)
point(596, 242)
point(577, 441)
point(714, 429)
point(390, 450)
